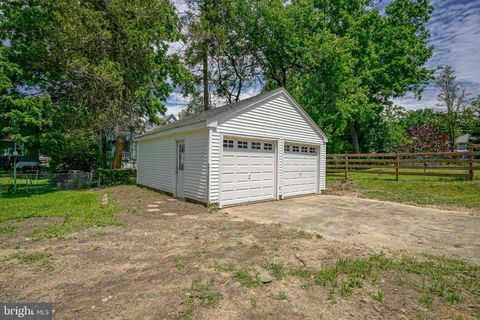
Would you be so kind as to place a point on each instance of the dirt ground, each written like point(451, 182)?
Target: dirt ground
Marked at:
point(157, 266)
point(376, 224)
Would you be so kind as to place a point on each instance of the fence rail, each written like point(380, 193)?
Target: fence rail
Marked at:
point(463, 164)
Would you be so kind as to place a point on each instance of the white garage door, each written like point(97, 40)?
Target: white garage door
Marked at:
point(248, 171)
point(300, 170)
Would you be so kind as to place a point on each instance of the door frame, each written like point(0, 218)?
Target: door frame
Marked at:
point(178, 141)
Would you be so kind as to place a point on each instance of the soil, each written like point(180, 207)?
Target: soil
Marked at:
point(149, 267)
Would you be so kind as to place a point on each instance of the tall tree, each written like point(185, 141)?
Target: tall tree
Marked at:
point(108, 56)
point(453, 99)
point(343, 60)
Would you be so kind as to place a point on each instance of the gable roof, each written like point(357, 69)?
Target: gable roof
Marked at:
point(463, 139)
point(232, 107)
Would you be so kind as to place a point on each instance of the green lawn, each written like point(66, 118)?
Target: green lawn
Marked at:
point(81, 209)
point(420, 190)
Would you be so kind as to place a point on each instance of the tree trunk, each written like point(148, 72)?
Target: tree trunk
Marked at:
point(354, 134)
point(206, 100)
point(117, 156)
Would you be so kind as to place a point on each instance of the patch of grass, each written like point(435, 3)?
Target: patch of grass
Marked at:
point(302, 234)
point(246, 279)
point(379, 296)
point(81, 209)
point(417, 189)
point(438, 276)
point(282, 295)
point(29, 258)
point(180, 265)
point(7, 229)
point(277, 269)
point(302, 272)
point(200, 296)
point(224, 267)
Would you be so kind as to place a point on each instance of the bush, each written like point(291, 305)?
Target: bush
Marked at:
point(113, 177)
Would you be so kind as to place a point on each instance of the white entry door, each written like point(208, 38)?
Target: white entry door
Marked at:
point(248, 171)
point(300, 170)
point(180, 192)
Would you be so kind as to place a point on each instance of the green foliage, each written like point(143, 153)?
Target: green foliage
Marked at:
point(246, 279)
point(112, 177)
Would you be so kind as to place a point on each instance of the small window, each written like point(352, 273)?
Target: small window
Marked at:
point(295, 148)
point(228, 143)
point(304, 149)
point(312, 150)
point(256, 145)
point(267, 146)
point(242, 144)
point(286, 148)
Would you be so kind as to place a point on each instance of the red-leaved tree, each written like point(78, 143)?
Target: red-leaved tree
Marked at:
point(426, 138)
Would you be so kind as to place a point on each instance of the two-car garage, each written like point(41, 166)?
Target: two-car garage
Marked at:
point(262, 148)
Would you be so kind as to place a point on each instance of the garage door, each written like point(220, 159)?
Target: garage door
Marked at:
point(248, 171)
point(300, 170)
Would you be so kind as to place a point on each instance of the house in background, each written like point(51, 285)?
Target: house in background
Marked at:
point(28, 157)
point(462, 143)
point(262, 148)
point(129, 153)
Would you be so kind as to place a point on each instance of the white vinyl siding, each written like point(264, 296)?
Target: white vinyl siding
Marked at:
point(156, 164)
point(276, 118)
point(157, 159)
point(215, 146)
point(196, 166)
point(323, 165)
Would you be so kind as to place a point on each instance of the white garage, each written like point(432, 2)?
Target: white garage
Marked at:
point(262, 148)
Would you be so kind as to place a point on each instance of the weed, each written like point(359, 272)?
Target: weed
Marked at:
point(253, 302)
point(224, 267)
point(7, 229)
point(246, 279)
point(277, 269)
point(454, 298)
point(200, 296)
point(379, 296)
point(302, 272)
point(180, 265)
point(427, 299)
point(302, 234)
point(282, 295)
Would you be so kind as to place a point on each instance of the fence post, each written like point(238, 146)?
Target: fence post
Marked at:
point(470, 164)
point(397, 163)
point(346, 166)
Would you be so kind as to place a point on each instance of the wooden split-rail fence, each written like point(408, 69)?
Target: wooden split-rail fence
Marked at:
point(438, 164)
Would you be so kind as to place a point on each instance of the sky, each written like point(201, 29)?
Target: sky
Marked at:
point(455, 35)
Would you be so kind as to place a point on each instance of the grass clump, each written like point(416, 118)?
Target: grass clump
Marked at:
point(200, 296)
point(277, 269)
point(7, 229)
point(246, 279)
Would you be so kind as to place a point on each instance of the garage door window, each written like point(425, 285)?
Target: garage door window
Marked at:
point(242, 144)
point(296, 148)
point(312, 150)
point(256, 145)
point(286, 148)
point(228, 143)
point(267, 146)
point(304, 149)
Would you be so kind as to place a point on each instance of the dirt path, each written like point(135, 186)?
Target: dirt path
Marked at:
point(174, 260)
point(377, 224)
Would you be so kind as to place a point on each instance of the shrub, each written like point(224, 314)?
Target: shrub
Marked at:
point(112, 177)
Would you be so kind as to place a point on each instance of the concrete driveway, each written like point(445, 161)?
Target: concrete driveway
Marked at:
point(376, 224)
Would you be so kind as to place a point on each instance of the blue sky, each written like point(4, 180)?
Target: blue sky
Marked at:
point(455, 35)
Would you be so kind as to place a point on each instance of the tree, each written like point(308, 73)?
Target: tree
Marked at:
point(217, 51)
point(425, 138)
point(453, 98)
point(108, 57)
point(342, 60)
